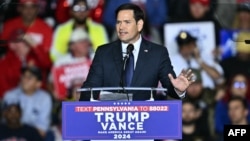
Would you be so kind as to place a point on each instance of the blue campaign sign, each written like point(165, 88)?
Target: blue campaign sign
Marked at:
point(119, 120)
point(228, 39)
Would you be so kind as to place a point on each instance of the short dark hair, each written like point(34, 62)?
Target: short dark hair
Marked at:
point(138, 12)
point(194, 104)
point(6, 106)
point(241, 99)
point(34, 71)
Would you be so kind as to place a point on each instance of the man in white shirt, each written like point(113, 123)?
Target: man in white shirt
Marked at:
point(189, 56)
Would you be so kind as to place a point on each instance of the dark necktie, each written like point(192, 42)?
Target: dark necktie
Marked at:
point(129, 69)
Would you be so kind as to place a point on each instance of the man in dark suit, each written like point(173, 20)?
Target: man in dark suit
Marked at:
point(150, 61)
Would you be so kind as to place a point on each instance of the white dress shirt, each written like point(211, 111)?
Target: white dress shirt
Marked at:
point(180, 63)
point(136, 50)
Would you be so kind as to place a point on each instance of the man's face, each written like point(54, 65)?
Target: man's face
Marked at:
point(28, 11)
point(20, 48)
point(80, 48)
point(80, 12)
point(29, 82)
point(198, 10)
point(12, 115)
point(187, 50)
point(128, 30)
point(189, 113)
point(237, 112)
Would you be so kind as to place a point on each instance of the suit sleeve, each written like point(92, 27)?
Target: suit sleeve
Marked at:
point(166, 68)
point(95, 76)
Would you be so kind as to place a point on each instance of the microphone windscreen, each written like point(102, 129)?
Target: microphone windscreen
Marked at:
point(130, 48)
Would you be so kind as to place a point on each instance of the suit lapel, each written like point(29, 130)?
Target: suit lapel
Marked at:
point(142, 57)
point(117, 54)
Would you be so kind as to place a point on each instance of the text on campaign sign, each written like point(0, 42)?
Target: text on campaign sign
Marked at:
point(122, 120)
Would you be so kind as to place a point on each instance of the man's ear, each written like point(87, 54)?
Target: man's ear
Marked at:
point(246, 112)
point(140, 24)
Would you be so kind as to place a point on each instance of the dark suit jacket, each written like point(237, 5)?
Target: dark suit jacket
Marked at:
point(151, 66)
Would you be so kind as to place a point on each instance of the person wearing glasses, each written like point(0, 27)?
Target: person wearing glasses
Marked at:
point(238, 111)
point(80, 19)
point(238, 86)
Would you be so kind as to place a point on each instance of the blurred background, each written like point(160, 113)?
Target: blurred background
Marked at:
point(47, 47)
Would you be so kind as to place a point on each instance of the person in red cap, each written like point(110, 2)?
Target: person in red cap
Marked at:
point(37, 35)
point(200, 10)
point(19, 54)
point(11, 63)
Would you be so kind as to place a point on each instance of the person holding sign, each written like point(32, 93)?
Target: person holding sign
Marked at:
point(189, 56)
point(72, 67)
point(147, 63)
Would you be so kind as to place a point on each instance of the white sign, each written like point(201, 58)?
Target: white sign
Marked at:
point(203, 31)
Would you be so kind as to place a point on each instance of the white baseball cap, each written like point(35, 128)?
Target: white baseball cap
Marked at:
point(79, 34)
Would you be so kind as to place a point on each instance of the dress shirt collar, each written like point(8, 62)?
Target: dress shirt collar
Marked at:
point(136, 50)
point(137, 45)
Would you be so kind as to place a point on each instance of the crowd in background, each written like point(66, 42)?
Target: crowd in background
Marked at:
point(38, 35)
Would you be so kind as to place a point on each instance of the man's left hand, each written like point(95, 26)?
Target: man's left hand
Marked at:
point(182, 82)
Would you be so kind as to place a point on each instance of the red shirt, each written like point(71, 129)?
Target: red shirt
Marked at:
point(41, 33)
point(10, 72)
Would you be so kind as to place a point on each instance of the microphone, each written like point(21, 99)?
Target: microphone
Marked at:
point(130, 48)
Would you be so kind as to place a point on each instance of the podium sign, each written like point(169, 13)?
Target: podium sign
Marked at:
point(122, 120)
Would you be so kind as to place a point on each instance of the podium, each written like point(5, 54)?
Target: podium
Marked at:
point(122, 119)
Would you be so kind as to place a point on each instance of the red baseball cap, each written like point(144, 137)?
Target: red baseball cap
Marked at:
point(29, 1)
point(203, 2)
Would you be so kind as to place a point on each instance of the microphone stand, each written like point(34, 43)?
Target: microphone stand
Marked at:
point(129, 50)
point(122, 74)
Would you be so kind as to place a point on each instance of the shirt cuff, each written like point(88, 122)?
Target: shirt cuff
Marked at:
point(181, 95)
